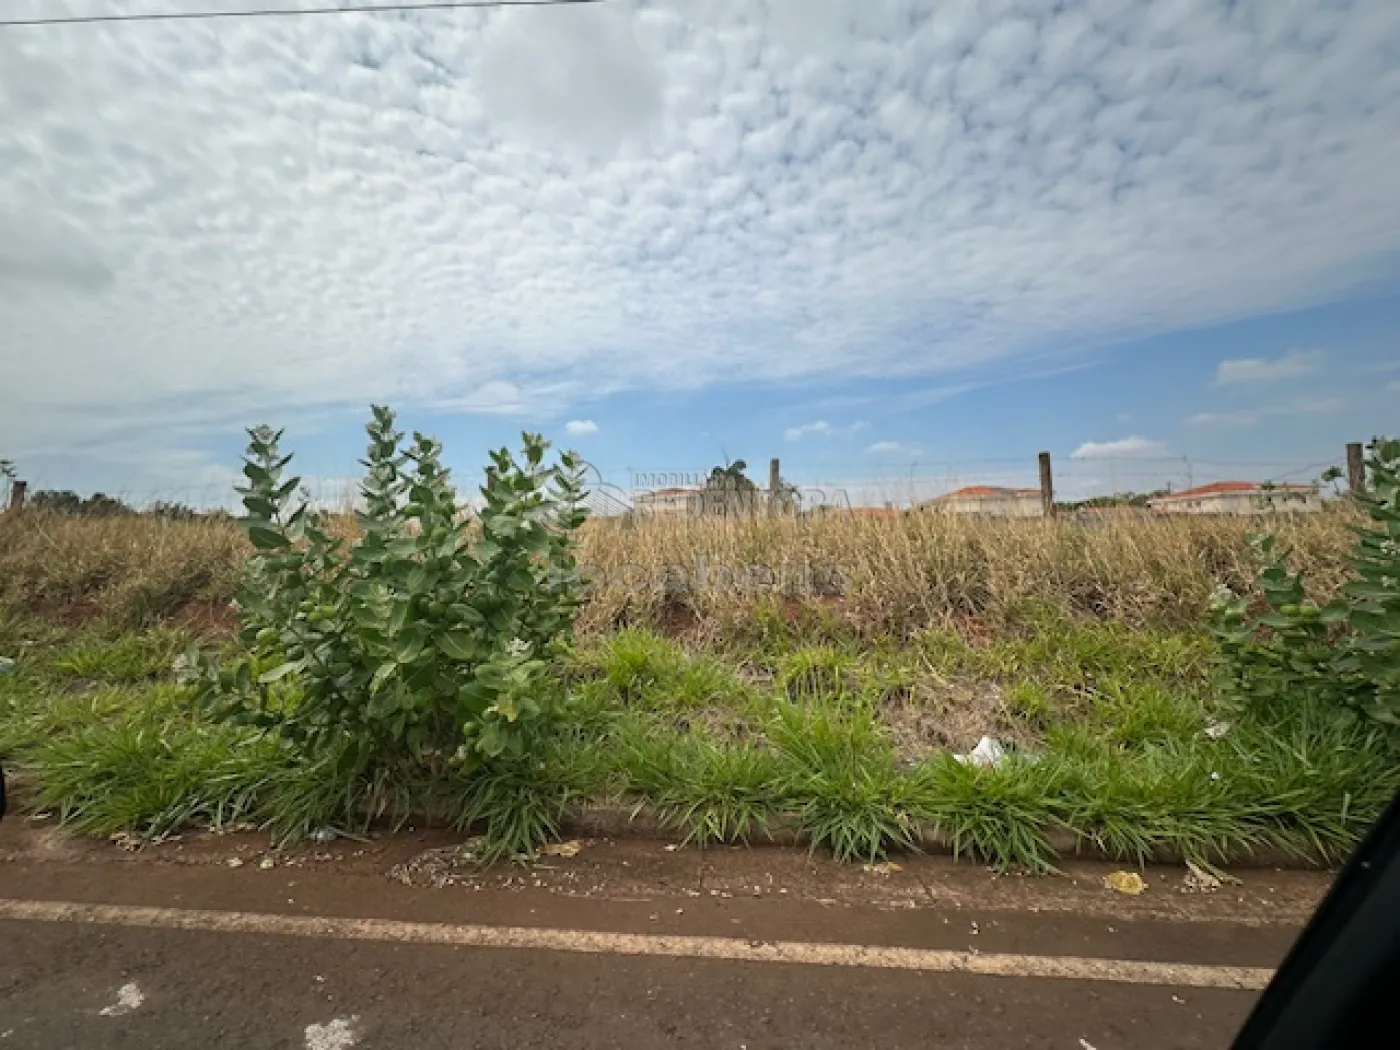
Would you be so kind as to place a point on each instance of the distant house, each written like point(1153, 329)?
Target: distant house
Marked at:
point(668, 503)
point(1240, 497)
point(989, 500)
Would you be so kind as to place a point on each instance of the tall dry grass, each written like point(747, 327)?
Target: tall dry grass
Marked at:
point(132, 569)
point(899, 574)
point(881, 575)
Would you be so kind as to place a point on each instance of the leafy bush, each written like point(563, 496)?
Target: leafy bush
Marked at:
point(1345, 655)
point(422, 649)
point(98, 505)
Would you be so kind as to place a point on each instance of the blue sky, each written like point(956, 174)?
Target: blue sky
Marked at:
point(900, 245)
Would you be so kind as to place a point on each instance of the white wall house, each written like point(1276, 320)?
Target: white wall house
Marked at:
point(1240, 497)
point(988, 500)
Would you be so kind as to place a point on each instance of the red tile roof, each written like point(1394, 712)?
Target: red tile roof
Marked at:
point(1221, 488)
point(988, 490)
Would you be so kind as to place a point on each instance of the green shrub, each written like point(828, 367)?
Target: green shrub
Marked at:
point(1343, 656)
point(424, 648)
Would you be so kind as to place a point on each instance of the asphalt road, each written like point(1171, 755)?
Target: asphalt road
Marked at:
point(622, 946)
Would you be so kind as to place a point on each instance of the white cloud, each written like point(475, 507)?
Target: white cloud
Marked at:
point(1292, 365)
point(1133, 447)
point(824, 429)
point(581, 77)
point(1315, 404)
point(579, 427)
point(887, 448)
point(797, 433)
point(1253, 416)
point(280, 218)
point(1222, 419)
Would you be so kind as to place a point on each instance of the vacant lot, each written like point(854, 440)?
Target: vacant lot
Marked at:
point(735, 678)
point(880, 577)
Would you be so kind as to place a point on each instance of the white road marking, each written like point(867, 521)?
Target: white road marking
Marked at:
point(926, 960)
point(129, 998)
point(338, 1035)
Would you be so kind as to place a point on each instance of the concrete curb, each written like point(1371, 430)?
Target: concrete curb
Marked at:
point(642, 822)
point(614, 820)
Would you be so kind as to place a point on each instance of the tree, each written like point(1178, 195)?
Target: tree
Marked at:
point(729, 492)
point(57, 501)
point(65, 501)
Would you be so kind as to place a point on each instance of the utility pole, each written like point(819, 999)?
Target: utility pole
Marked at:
point(1356, 469)
point(17, 491)
point(775, 487)
point(1047, 486)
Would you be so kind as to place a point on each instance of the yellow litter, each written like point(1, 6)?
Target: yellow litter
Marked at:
point(1129, 882)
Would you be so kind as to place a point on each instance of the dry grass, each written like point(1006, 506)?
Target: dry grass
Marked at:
point(898, 575)
point(878, 575)
point(134, 569)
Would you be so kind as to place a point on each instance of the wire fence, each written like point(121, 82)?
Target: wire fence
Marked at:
point(804, 486)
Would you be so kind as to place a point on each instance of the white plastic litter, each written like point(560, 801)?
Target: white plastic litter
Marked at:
point(1217, 730)
point(129, 998)
point(989, 753)
point(6, 665)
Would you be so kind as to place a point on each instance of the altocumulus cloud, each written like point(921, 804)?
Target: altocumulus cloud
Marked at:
point(823, 428)
point(803, 430)
point(889, 448)
point(1291, 365)
point(1133, 447)
point(262, 218)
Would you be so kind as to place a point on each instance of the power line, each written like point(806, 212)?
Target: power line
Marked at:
point(194, 16)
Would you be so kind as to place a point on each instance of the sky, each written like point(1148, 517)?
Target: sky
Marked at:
point(900, 245)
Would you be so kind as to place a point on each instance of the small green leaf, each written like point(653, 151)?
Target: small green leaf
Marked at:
point(382, 675)
point(459, 645)
point(409, 646)
point(265, 537)
point(282, 671)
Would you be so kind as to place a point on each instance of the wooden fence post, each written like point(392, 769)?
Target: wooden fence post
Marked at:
point(1047, 486)
point(1356, 469)
point(17, 493)
point(775, 486)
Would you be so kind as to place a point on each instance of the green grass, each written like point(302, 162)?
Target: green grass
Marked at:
point(151, 776)
point(708, 790)
point(727, 744)
point(128, 658)
point(646, 672)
